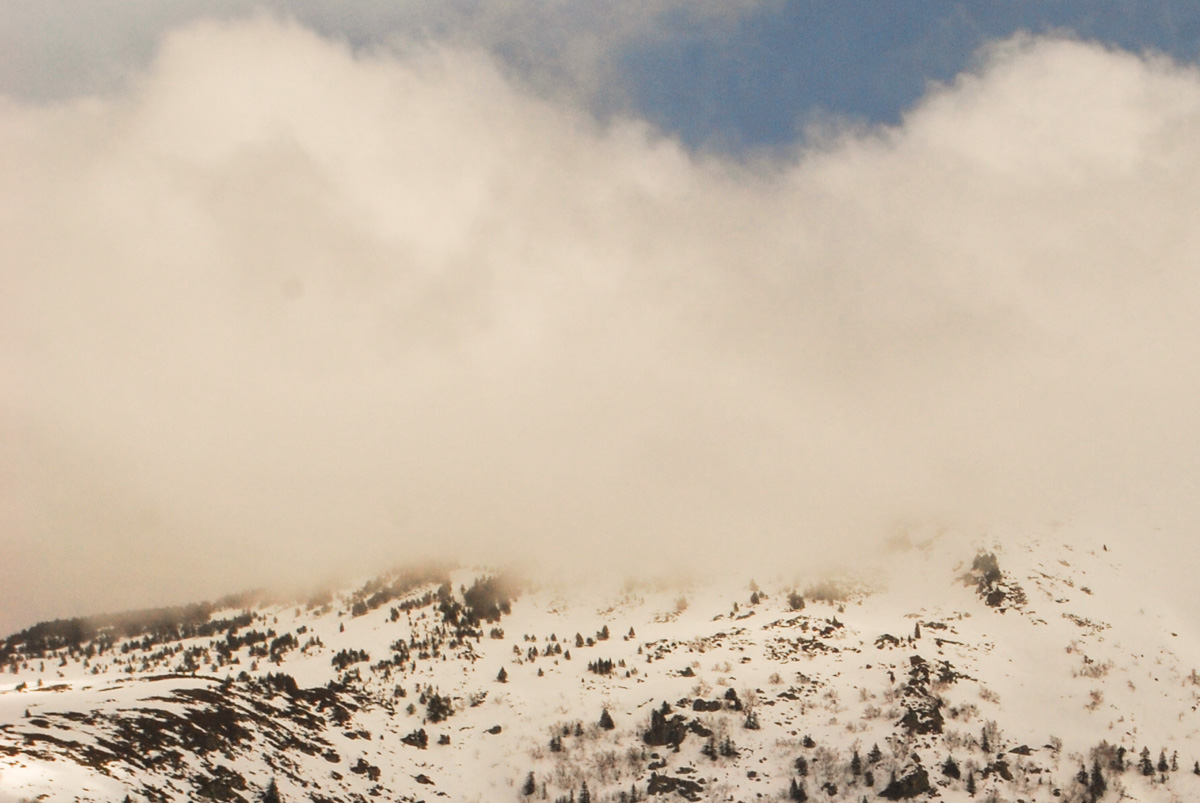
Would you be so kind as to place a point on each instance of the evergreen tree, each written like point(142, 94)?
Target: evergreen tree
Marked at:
point(1082, 775)
point(606, 720)
point(984, 744)
point(875, 755)
point(802, 767)
point(1097, 785)
point(1144, 764)
point(438, 708)
point(796, 792)
point(530, 785)
point(1196, 768)
point(584, 795)
point(950, 768)
point(971, 783)
point(271, 793)
point(502, 676)
point(856, 764)
point(1163, 766)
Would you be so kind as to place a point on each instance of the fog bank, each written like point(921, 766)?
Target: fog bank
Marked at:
point(276, 310)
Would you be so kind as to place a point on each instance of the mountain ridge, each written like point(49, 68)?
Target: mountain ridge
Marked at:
point(1021, 671)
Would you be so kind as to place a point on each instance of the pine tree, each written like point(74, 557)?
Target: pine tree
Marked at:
point(984, 744)
point(271, 793)
point(856, 764)
point(584, 795)
point(950, 768)
point(606, 720)
point(1144, 764)
point(1097, 786)
point(1163, 766)
point(1196, 768)
point(802, 767)
point(971, 783)
point(530, 785)
point(502, 676)
point(875, 755)
point(796, 792)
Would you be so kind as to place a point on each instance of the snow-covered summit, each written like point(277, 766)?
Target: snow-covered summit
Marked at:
point(1030, 672)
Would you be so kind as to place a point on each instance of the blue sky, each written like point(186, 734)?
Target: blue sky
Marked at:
point(725, 80)
point(759, 80)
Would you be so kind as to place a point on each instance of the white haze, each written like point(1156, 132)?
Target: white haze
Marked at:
point(563, 47)
point(277, 310)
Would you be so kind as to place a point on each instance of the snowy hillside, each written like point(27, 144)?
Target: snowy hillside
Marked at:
point(1031, 673)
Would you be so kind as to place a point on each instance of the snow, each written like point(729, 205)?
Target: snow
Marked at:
point(1085, 658)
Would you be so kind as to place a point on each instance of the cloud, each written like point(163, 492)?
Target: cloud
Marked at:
point(282, 307)
point(564, 48)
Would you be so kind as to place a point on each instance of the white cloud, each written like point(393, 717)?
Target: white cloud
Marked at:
point(566, 48)
point(279, 305)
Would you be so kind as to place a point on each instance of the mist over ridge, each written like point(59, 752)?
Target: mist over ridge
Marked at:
point(277, 310)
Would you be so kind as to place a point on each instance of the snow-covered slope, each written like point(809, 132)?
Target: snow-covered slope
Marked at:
point(1003, 671)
